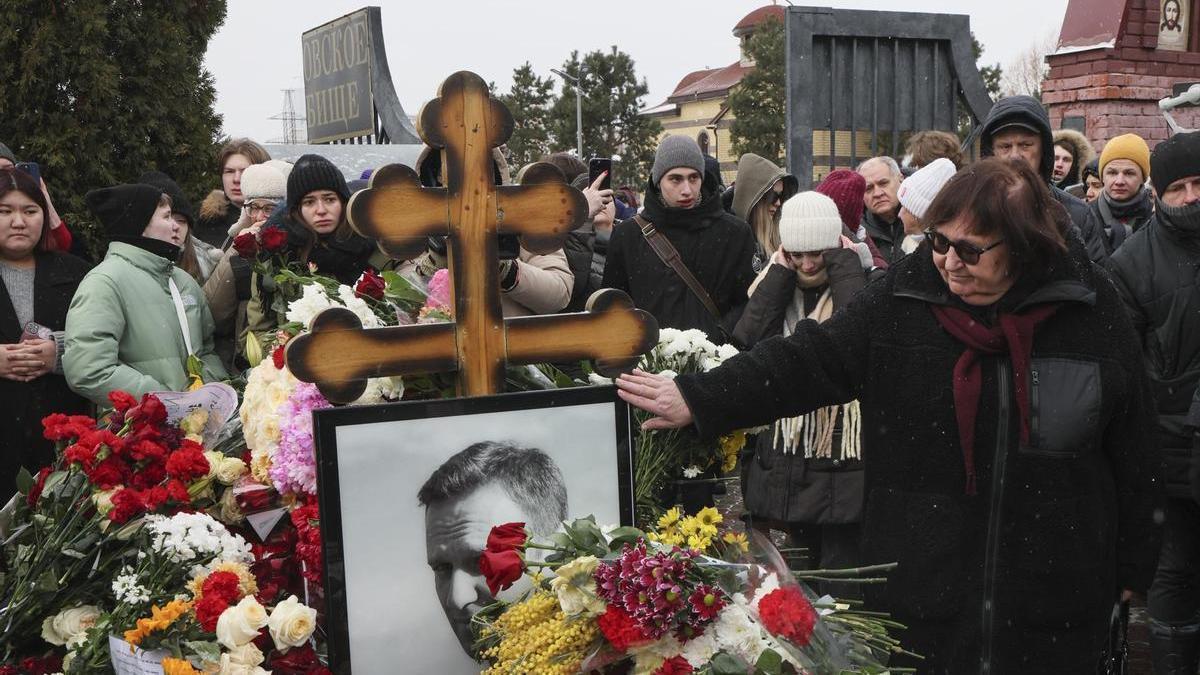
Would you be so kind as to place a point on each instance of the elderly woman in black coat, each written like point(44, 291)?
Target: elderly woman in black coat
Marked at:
point(1009, 460)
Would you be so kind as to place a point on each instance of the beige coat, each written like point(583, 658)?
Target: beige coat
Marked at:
point(544, 283)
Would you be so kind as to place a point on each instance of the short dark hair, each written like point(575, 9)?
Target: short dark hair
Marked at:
point(926, 146)
point(1006, 198)
point(528, 475)
point(569, 164)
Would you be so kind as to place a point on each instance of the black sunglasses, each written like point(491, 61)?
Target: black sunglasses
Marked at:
point(967, 252)
point(773, 197)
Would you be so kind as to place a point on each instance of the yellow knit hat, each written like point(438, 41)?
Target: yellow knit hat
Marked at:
point(1127, 146)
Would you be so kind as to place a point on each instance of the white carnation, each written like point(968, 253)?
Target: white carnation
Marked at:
point(312, 301)
point(359, 306)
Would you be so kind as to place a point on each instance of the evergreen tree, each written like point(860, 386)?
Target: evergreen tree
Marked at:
point(612, 98)
point(759, 101)
point(529, 101)
point(98, 92)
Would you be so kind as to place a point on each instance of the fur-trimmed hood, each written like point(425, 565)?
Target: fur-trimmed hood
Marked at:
point(214, 206)
point(1080, 148)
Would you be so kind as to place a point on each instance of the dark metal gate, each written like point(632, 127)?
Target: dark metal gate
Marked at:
point(858, 81)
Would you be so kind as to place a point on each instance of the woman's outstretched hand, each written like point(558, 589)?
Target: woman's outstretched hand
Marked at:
point(656, 395)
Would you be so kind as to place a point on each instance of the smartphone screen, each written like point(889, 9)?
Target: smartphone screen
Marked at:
point(32, 169)
point(597, 166)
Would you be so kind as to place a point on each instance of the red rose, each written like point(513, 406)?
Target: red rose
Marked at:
point(246, 245)
point(36, 491)
point(371, 285)
point(187, 463)
point(298, 661)
point(9, 670)
point(506, 537)
point(676, 665)
point(501, 569)
point(277, 357)
point(788, 614)
point(121, 401)
point(251, 498)
point(273, 239)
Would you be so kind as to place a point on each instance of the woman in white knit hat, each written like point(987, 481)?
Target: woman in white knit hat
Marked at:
point(804, 475)
point(916, 193)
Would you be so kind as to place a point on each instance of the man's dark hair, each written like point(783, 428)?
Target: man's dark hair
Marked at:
point(569, 164)
point(528, 475)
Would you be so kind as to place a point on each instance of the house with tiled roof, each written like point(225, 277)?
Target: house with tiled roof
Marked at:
point(699, 102)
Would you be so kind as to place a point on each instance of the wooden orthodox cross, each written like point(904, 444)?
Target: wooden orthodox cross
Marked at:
point(471, 210)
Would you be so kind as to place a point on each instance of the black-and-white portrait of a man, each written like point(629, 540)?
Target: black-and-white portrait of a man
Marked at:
point(414, 490)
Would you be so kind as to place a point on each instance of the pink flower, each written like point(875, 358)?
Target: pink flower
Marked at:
point(439, 290)
point(294, 465)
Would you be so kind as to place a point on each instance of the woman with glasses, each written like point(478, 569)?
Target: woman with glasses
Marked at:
point(756, 195)
point(1010, 465)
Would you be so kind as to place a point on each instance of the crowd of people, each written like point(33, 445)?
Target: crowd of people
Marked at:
point(983, 371)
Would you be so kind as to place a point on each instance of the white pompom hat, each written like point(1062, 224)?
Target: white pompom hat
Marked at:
point(809, 222)
point(917, 191)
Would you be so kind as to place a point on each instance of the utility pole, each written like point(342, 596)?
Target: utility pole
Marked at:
point(578, 109)
point(289, 118)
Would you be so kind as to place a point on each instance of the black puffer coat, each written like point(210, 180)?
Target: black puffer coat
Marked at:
point(1156, 271)
point(715, 245)
point(1020, 578)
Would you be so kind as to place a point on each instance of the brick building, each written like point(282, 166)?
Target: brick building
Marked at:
point(1115, 60)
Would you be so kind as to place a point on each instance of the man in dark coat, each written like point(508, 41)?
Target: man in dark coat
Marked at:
point(881, 219)
point(1155, 271)
point(683, 204)
point(1018, 127)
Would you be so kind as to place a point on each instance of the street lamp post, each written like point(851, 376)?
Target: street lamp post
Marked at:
point(578, 109)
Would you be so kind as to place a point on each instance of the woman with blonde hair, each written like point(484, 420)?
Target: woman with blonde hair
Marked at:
point(761, 187)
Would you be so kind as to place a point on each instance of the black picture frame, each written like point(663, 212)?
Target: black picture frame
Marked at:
point(328, 422)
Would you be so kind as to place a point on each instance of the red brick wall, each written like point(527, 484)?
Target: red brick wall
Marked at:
point(1116, 90)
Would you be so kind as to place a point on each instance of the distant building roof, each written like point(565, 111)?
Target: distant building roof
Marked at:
point(751, 20)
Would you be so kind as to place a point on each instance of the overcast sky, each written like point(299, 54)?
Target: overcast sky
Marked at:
point(256, 53)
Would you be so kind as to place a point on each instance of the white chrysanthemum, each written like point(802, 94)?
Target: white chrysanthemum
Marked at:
point(726, 352)
point(359, 306)
point(594, 378)
point(699, 650)
point(127, 589)
point(185, 537)
point(769, 585)
point(736, 632)
point(312, 301)
point(380, 390)
point(692, 471)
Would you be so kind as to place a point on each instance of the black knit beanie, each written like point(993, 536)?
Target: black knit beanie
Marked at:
point(314, 172)
point(124, 210)
point(179, 201)
point(1175, 158)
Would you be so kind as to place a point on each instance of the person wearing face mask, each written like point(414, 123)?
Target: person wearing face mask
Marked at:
point(1155, 271)
point(36, 289)
point(137, 320)
point(1007, 441)
point(759, 190)
point(804, 476)
point(1125, 204)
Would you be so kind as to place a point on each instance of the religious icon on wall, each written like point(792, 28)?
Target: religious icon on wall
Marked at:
point(410, 491)
point(1174, 25)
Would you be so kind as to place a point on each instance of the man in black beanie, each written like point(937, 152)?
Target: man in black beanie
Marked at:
point(1155, 271)
point(137, 322)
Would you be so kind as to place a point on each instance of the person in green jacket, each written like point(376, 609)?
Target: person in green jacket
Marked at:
point(138, 323)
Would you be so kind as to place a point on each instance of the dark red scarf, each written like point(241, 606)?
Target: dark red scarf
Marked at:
point(1013, 335)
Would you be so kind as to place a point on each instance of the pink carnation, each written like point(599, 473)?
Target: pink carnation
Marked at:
point(439, 289)
point(294, 464)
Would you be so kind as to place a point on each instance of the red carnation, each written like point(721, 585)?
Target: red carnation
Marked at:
point(147, 449)
point(108, 474)
point(219, 591)
point(297, 661)
point(676, 665)
point(121, 401)
point(371, 285)
point(788, 614)
point(148, 476)
point(178, 492)
point(149, 411)
point(273, 239)
point(187, 462)
point(155, 497)
point(246, 245)
point(39, 484)
point(506, 537)
point(79, 453)
point(277, 357)
point(127, 504)
point(621, 631)
point(501, 569)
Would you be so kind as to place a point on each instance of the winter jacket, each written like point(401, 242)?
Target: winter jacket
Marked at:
point(123, 331)
point(543, 283)
point(1118, 220)
point(886, 237)
point(1155, 272)
point(227, 293)
point(1081, 152)
point(785, 486)
point(55, 278)
point(716, 246)
point(1029, 111)
point(217, 213)
point(580, 251)
point(1022, 576)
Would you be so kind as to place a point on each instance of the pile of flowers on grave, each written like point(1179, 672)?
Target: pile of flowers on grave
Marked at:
point(687, 598)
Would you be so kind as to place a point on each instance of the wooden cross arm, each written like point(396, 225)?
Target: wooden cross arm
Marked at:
point(339, 354)
point(463, 94)
point(612, 333)
point(398, 212)
point(542, 213)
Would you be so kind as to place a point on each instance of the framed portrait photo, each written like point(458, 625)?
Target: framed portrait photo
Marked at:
point(409, 492)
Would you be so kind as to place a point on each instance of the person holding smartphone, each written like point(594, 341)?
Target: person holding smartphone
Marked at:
point(37, 287)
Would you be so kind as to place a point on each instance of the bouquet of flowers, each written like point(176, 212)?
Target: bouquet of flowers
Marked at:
point(621, 597)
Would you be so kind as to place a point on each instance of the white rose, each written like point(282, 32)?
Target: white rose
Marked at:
point(229, 512)
point(226, 470)
point(239, 669)
point(49, 634)
point(243, 659)
point(240, 623)
point(292, 623)
point(70, 625)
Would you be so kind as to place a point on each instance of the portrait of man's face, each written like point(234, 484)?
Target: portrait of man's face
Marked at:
point(1170, 12)
point(456, 531)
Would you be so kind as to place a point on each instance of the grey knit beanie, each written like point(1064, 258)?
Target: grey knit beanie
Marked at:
point(5, 153)
point(675, 151)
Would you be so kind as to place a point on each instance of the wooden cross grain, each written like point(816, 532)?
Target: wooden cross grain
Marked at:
point(338, 354)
